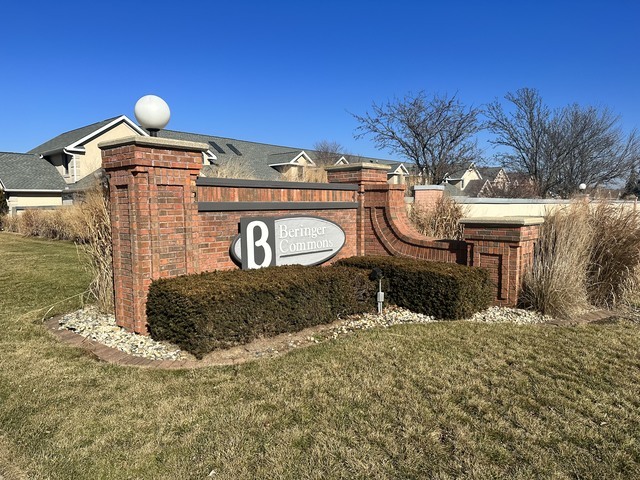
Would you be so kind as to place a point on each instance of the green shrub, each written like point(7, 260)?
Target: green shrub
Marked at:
point(201, 313)
point(443, 290)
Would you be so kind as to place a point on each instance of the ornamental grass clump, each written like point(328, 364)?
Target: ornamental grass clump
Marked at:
point(441, 220)
point(615, 254)
point(556, 284)
point(94, 223)
point(588, 255)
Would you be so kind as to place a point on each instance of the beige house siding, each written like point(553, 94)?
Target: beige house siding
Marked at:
point(91, 160)
point(19, 201)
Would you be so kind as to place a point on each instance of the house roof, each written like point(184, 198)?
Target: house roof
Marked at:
point(474, 187)
point(457, 174)
point(452, 190)
point(257, 155)
point(63, 140)
point(489, 173)
point(25, 171)
point(288, 158)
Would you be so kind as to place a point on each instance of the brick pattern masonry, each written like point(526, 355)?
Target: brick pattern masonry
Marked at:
point(158, 231)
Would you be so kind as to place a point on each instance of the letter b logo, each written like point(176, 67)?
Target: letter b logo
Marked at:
point(258, 242)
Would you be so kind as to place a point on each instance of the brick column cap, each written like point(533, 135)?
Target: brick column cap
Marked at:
point(429, 187)
point(503, 221)
point(357, 166)
point(155, 142)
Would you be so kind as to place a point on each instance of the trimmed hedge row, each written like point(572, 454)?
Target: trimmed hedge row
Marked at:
point(204, 312)
point(443, 290)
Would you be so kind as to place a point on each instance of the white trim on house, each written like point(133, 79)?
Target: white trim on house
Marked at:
point(399, 169)
point(342, 161)
point(208, 155)
point(76, 146)
point(296, 161)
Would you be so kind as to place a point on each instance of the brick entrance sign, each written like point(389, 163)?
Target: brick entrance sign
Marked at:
point(168, 221)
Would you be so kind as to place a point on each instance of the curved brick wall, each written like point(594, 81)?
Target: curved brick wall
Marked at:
point(168, 221)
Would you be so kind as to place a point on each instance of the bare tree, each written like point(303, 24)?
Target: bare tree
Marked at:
point(563, 148)
point(434, 133)
point(328, 152)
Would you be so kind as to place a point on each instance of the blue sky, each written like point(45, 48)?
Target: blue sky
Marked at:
point(288, 73)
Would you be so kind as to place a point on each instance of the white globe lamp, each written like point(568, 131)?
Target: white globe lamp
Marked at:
point(582, 187)
point(152, 113)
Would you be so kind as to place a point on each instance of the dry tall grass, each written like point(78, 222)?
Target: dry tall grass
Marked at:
point(615, 252)
point(235, 169)
point(587, 255)
point(92, 215)
point(441, 220)
point(306, 174)
point(56, 224)
point(556, 284)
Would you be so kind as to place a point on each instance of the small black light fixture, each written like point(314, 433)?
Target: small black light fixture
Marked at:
point(152, 113)
point(376, 274)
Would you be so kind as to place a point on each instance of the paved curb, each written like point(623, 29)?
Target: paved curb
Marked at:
point(118, 357)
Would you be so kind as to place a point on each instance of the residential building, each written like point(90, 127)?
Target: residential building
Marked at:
point(52, 174)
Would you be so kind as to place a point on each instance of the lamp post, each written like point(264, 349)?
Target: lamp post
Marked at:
point(152, 113)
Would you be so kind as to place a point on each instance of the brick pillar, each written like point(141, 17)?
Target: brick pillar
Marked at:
point(154, 217)
point(366, 176)
point(504, 247)
point(427, 195)
point(358, 173)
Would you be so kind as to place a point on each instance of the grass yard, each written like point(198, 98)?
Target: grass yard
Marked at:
point(446, 400)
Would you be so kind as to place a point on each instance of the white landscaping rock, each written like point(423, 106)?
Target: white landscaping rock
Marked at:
point(102, 328)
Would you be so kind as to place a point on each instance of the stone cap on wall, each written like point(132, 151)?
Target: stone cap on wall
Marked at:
point(357, 166)
point(517, 221)
point(428, 187)
point(164, 143)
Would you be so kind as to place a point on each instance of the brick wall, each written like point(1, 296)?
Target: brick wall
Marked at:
point(503, 246)
point(168, 221)
point(383, 224)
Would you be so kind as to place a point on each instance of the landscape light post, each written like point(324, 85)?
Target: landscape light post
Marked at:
point(376, 274)
point(152, 113)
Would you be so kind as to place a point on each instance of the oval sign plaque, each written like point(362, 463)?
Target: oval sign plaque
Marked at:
point(268, 241)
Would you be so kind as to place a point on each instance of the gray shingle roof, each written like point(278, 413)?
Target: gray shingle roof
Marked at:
point(65, 139)
point(24, 171)
point(474, 187)
point(258, 156)
point(489, 173)
point(286, 157)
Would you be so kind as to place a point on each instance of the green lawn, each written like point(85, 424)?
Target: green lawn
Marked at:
point(446, 400)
